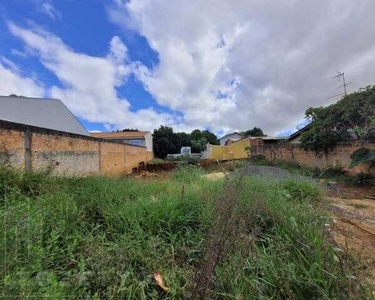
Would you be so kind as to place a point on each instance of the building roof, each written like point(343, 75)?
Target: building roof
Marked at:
point(45, 113)
point(298, 132)
point(120, 135)
point(230, 134)
point(266, 138)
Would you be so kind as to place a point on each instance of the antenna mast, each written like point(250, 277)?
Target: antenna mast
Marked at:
point(341, 75)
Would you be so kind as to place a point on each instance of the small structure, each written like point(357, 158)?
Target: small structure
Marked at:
point(185, 150)
point(238, 149)
point(185, 154)
point(234, 136)
point(269, 140)
point(295, 137)
point(138, 138)
point(43, 113)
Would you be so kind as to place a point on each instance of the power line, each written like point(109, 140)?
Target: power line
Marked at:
point(5, 90)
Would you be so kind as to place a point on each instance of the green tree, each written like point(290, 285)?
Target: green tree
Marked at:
point(184, 138)
point(165, 142)
point(351, 118)
point(168, 142)
point(199, 139)
point(129, 129)
point(211, 137)
point(256, 131)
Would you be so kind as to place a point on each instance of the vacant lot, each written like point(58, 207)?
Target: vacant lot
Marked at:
point(246, 237)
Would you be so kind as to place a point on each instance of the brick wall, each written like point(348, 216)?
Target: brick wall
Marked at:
point(12, 147)
point(34, 148)
point(339, 156)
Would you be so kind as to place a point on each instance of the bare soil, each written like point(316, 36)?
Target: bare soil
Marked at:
point(353, 213)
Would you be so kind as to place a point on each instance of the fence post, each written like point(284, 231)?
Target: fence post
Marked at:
point(100, 157)
point(28, 136)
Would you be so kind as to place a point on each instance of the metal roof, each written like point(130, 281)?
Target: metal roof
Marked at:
point(119, 135)
point(45, 113)
point(230, 134)
point(298, 132)
point(269, 137)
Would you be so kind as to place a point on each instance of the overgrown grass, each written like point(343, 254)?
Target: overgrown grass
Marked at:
point(333, 173)
point(103, 238)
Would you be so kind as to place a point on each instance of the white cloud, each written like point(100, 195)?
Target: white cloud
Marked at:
point(281, 56)
point(14, 82)
point(48, 8)
point(118, 50)
point(88, 83)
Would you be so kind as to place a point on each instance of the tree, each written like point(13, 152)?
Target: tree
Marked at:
point(199, 139)
point(129, 129)
point(168, 142)
point(256, 131)
point(351, 118)
point(165, 142)
point(184, 138)
point(211, 137)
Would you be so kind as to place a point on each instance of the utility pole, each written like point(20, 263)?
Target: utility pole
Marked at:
point(341, 75)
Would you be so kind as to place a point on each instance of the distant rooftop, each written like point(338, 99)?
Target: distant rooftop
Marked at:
point(270, 137)
point(119, 135)
point(45, 113)
point(229, 134)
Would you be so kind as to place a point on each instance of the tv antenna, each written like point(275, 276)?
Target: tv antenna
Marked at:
point(339, 76)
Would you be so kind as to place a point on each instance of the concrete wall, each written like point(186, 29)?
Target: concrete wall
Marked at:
point(339, 156)
point(33, 148)
point(146, 141)
point(295, 140)
point(235, 150)
point(149, 142)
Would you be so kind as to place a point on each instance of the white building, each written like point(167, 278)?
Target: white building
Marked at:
point(138, 138)
point(235, 136)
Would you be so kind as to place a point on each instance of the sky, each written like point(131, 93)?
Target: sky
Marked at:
point(218, 65)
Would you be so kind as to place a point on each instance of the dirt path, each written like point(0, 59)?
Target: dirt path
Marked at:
point(353, 229)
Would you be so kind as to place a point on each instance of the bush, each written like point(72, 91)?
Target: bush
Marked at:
point(300, 191)
point(187, 173)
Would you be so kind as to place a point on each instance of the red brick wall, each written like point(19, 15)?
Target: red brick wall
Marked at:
point(12, 147)
point(66, 154)
point(339, 156)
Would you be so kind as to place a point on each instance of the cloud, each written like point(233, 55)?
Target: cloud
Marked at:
point(88, 83)
point(47, 8)
point(14, 82)
point(233, 65)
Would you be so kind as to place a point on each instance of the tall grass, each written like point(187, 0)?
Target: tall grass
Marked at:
point(103, 238)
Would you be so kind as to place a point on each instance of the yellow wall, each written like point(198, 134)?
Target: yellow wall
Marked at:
point(232, 151)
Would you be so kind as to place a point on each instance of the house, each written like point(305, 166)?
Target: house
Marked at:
point(268, 140)
point(45, 113)
point(295, 137)
point(138, 138)
point(234, 136)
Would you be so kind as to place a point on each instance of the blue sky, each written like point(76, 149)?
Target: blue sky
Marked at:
point(214, 65)
point(88, 33)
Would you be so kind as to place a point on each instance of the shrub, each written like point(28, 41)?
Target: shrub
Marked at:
point(187, 173)
point(103, 238)
point(300, 191)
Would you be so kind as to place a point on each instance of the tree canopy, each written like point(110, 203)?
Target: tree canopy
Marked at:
point(351, 118)
point(129, 129)
point(256, 131)
point(168, 142)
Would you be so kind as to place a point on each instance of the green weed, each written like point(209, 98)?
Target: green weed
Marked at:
point(103, 238)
